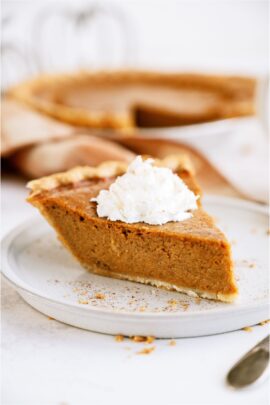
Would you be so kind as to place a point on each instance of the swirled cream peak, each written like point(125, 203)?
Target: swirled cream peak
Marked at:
point(145, 193)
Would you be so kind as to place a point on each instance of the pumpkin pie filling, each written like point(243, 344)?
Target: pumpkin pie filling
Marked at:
point(191, 256)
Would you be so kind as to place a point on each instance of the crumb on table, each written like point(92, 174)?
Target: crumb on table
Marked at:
point(143, 339)
point(264, 322)
point(147, 350)
point(247, 329)
point(150, 339)
point(172, 342)
point(119, 338)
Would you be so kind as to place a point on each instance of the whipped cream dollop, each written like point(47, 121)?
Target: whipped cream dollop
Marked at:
point(145, 193)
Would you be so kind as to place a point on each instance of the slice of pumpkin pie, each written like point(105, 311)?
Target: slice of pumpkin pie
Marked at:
point(142, 222)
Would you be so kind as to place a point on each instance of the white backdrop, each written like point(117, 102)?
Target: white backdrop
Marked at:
point(46, 362)
point(217, 35)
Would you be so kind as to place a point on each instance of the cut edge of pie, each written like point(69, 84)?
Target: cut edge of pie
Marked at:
point(41, 188)
point(235, 97)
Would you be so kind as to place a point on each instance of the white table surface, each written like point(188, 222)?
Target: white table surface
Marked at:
point(46, 362)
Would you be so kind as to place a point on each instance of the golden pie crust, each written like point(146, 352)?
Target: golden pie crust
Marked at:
point(107, 169)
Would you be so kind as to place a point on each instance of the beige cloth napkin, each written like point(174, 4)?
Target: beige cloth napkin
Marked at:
point(237, 148)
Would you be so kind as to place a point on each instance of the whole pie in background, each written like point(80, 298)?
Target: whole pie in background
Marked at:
point(130, 99)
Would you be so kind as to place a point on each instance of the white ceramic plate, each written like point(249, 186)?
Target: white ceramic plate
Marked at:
point(50, 280)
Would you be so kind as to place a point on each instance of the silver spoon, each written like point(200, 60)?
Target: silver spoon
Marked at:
point(251, 366)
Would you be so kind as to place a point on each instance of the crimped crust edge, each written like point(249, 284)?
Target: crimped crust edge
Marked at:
point(107, 169)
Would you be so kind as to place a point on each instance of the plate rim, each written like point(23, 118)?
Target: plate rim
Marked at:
point(197, 130)
point(9, 275)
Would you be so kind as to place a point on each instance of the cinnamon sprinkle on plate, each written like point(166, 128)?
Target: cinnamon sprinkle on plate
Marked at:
point(173, 302)
point(85, 302)
point(99, 296)
point(83, 292)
